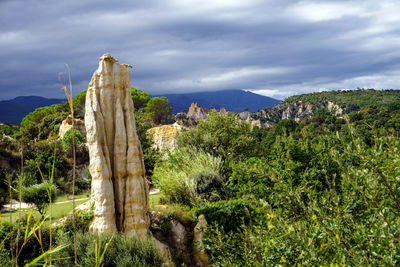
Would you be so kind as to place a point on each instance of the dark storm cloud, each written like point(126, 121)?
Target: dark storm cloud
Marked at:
point(277, 48)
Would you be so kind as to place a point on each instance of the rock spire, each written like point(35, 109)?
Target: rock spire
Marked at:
point(119, 189)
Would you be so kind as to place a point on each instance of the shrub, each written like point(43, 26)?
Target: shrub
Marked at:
point(229, 214)
point(221, 135)
point(83, 219)
point(29, 247)
point(250, 178)
point(80, 143)
point(348, 221)
point(188, 177)
point(42, 154)
point(37, 195)
point(150, 154)
point(122, 251)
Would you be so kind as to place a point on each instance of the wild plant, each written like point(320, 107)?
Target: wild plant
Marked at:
point(71, 107)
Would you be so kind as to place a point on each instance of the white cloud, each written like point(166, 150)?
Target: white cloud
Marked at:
point(275, 93)
point(244, 73)
point(384, 80)
point(227, 79)
point(313, 11)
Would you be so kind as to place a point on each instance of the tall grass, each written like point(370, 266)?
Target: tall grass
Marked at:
point(189, 177)
point(71, 107)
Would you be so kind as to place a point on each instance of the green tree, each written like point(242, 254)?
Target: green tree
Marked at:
point(79, 105)
point(37, 195)
point(158, 109)
point(80, 143)
point(221, 135)
point(150, 154)
point(140, 98)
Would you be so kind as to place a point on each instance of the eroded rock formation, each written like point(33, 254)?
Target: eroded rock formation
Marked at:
point(119, 188)
point(166, 136)
point(200, 257)
point(197, 113)
point(67, 125)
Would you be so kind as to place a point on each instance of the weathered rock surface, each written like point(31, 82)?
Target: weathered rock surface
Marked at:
point(67, 125)
point(194, 115)
point(200, 257)
point(119, 188)
point(295, 110)
point(197, 113)
point(166, 136)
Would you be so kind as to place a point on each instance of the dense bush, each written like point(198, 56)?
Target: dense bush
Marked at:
point(122, 251)
point(74, 136)
point(37, 195)
point(150, 154)
point(7, 130)
point(83, 219)
point(353, 222)
point(229, 214)
point(221, 135)
point(29, 247)
point(43, 154)
point(190, 177)
point(42, 123)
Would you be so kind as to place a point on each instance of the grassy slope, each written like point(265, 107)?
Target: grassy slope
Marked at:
point(61, 207)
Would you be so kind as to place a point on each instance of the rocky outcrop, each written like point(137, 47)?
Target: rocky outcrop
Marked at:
point(294, 110)
point(174, 234)
point(119, 188)
point(166, 136)
point(67, 125)
point(197, 113)
point(200, 257)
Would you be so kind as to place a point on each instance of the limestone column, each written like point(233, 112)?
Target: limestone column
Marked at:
point(119, 188)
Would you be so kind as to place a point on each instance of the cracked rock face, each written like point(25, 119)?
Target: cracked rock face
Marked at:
point(119, 189)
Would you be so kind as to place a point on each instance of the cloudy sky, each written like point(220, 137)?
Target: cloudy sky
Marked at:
point(273, 47)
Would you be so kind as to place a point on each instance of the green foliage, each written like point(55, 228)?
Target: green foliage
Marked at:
point(351, 99)
point(42, 123)
point(122, 251)
point(150, 154)
point(140, 98)
point(189, 177)
point(230, 215)
point(45, 122)
point(7, 130)
point(37, 195)
point(250, 178)
point(157, 109)
point(221, 135)
point(346, 221)
point(41, 154)
point(80, 144)
point(79, 105)
point(83, 218)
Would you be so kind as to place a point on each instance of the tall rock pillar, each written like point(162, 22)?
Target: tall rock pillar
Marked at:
point(119, 189)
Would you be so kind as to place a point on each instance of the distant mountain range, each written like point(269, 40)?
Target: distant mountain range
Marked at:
point(16, 109)
point(231, 100)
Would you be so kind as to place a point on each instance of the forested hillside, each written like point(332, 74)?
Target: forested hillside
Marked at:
point(15, 109)
point(351, 99)
point(336, 102)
